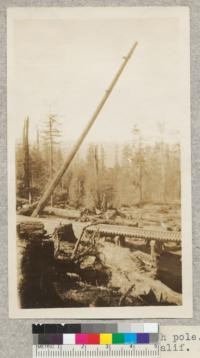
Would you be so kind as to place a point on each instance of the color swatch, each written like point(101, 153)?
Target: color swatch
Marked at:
point(95, 338)
point(121, 327)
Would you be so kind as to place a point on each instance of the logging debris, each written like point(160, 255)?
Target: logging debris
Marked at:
point(56, 272)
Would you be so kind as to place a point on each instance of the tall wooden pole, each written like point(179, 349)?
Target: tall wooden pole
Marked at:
point(47, 194)
point(51, 152)
point(27, 174)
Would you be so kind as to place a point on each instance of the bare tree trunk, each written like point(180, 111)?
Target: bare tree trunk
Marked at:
point(27, 174)
point(163, 173)
point(141, 181)
point(51, 155)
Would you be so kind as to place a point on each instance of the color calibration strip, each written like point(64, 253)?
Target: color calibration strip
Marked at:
point(119, 327)
point(95, 338)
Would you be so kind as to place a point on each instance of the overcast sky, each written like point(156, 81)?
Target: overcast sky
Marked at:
point(63, 66)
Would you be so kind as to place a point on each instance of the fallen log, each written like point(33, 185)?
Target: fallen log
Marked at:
point(31, 229)
point(27, 209)
point(63, 213)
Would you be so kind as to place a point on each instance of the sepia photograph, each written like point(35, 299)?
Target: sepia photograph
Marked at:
point(99, 177)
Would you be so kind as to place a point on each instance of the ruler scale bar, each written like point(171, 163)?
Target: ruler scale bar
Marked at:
point(96, 351)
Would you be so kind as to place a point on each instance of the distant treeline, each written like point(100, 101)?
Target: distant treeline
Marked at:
point(139, 174)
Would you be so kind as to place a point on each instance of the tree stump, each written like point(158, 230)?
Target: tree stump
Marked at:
point(36, 261)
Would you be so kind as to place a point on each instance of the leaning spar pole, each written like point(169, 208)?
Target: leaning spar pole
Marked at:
point(51, 187)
